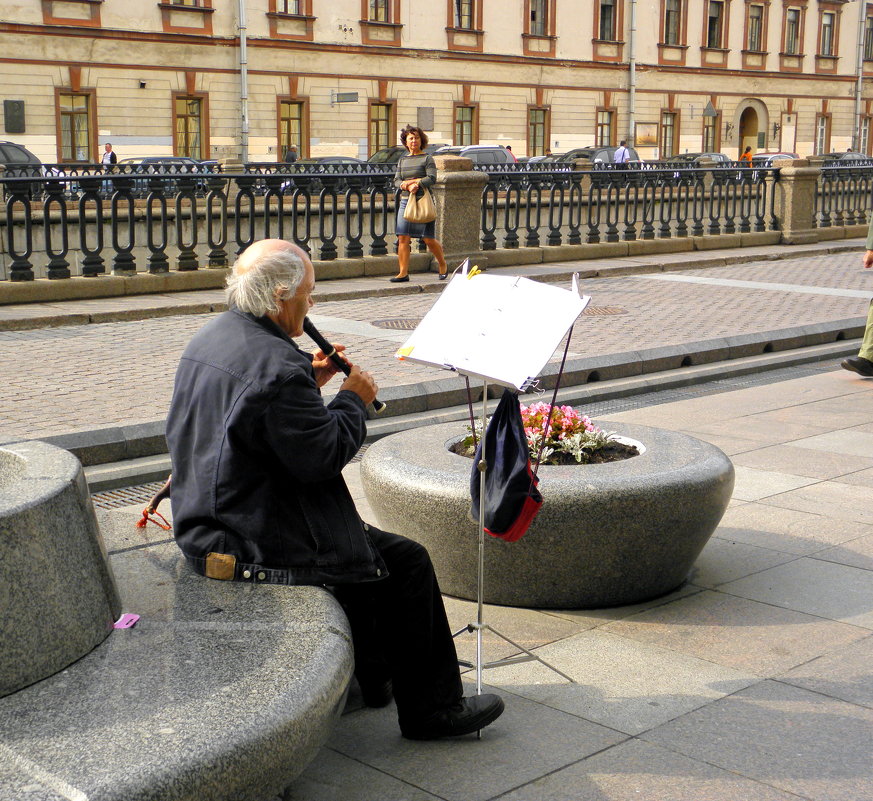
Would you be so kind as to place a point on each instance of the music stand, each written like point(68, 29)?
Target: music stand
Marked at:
point(469, 330)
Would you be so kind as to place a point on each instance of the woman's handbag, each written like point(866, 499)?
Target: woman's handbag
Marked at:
point(420, 209)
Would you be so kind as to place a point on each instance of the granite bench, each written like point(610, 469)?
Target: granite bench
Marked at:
point(222, 690)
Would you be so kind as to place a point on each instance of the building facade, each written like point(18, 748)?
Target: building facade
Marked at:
point(248, 78)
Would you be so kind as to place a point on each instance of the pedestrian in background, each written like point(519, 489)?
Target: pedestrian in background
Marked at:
point(862, 364)
point(416, 172)
point(621, 156)
point(291, 154)
point(746, 158)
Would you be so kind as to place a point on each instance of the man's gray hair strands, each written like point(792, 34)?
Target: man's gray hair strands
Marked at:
point(254, 291)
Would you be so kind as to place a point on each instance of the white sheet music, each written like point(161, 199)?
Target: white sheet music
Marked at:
point(500, 328)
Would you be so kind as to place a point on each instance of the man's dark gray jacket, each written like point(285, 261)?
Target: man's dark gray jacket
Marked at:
point(257, 457)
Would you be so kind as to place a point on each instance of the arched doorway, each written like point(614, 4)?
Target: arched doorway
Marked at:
point(749, 128)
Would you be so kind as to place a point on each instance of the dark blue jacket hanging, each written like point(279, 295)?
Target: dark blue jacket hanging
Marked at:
point(512, 499)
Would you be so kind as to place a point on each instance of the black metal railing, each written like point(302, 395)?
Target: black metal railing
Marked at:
point(842, 195)
point(521, 203)
point(152, 214)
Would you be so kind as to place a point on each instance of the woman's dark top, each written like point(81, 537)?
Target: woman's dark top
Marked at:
point(410, 167)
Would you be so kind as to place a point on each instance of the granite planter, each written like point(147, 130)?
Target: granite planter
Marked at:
point(607, 535)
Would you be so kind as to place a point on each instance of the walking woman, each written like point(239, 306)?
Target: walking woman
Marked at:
point(416, 172)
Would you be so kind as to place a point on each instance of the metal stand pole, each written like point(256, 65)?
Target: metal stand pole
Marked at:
point(480, 625)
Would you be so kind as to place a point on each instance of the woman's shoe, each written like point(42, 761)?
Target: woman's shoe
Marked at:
point(443, 276)
point(399, 279)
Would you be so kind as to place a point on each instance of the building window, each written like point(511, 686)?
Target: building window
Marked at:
point(539, 17)
point(755, 28)
point(608, 27)
point(822, 134)
point(290, 7)
point(74, 111)
point(194, 3)
point(380, 126)
point(465, 125)
point(189, 127)
point(537, 131)
point(464, 17)
point(864, 136)
point(379, 11)
point(672, 22)
point(604, 128)
point(792, 32)
point(715, 24)
point(828, 26)
point(292, 127)
point(668, 134)
point(868, 38)
point(711, 128)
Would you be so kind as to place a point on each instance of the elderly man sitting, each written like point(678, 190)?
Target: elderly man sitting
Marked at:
point(258, 493)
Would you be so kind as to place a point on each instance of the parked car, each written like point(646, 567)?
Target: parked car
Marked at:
point(765, 159)
point(172, 165)
point(850, 155)
point(391, 155)
point(480, 154)
point(595, 155)
point(696, 158)
point(19, 160)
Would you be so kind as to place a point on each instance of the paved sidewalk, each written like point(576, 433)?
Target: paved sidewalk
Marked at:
point(750, 682)
point(82, 377)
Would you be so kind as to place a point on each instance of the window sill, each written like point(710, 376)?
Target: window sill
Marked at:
point(173, 7)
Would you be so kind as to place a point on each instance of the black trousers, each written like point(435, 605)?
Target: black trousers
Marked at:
point(400, 630)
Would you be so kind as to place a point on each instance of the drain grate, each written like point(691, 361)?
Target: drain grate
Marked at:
point(126, 496)
point(398, 323)
point(603, 311)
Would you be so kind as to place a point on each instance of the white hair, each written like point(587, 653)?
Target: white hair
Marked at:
point(269, 278)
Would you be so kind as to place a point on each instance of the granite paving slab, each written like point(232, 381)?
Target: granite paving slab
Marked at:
point(636, 770)
point(619, 683)
point(844, 674)
point(335, 777)
point(798, 461)
point(526, 742)
point(852, 443)
point(753, 484)
point(815, 587)
point(783, 736)
point(789, 530)
point(831, 499)
point(724, 560)
point(736, 632)
point(527, 627)
point(856, 553)
point(860, 478)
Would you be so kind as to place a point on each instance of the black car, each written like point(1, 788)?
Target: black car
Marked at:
point(594, 155)
point(391, 155)
point(18, 160)
point(480, 154)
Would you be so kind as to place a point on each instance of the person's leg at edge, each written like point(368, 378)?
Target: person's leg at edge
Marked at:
point(862, 364)
point(434, 246)
point(866, 351)
point(403, 250)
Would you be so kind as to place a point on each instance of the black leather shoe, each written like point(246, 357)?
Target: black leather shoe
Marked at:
point(442, 276)
point(859, 365)
point(399, 279)
point(376, 694)
point(465, 717)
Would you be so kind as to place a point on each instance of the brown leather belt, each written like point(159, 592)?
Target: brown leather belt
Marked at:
point(226, 567)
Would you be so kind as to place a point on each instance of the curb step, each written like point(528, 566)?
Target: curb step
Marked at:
point(156, 468)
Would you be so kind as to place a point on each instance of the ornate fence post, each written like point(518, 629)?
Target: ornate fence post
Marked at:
point(795, 193)
point(458, 199)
